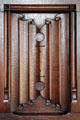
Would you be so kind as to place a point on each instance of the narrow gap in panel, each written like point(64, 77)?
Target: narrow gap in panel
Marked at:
point(69, 72)
point(18, 63)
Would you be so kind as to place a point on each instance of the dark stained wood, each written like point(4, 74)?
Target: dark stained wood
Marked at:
point(40, 79)
point(44, 62)
point(78, 55)
point(11, 116)
point(39, 107)
point(14, 62)
point(23, 58)
point(2, 73)
point(75, 105)
point(33, 62)
point(48, 2)
point(5, 42)
point(39, 8)
point(73, 63)
point(64, 60)
point(4, 105)
point(54, 34)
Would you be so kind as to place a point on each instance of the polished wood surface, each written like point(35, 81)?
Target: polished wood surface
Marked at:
point(39, 60)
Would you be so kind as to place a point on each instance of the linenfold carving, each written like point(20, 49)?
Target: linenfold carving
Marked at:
point(39, 38)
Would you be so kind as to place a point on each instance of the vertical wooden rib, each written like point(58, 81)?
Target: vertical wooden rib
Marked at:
point(33, 68)
point(14, 62)
point(54, 60)
point(63, 60)
point(1, 58)
point(73, 59)
point(23, 56)
point(78, 55)
point(5, 35)
point(44, 61)
point(9, 53)
point(37, 57)
point(4, 107)
point(5, 59)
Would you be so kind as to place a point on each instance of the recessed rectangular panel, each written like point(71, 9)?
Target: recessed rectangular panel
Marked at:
point(39, 62)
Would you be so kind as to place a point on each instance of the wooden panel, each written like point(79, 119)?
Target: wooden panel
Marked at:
point(11, 116)
point(2, 73)
point(5, 59)
point(23, 58)
point(73, 58)
point(48, 62)
point(73, 63)
point(54, 34)
point(76, 104)
point(38, 70)
point(78, 55)
point(14, 62)
point(58, 61)
point(39, 7)
point(33, 62)
point(4, 106)
point(44, 62)
point(9, 54)
point(64, 60)
point(63, 55)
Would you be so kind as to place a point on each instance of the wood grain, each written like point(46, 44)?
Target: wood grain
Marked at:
point(64, 60)
point(6, 90)
point(73, 58)
point(14, 62)
point(44, 62)
point(60, 80)
point(54, 34)
point(33, 62)
point(23, 58)
point(2, 73)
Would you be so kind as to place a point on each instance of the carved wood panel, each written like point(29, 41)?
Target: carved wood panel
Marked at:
point(37, 61)
point(39, 49)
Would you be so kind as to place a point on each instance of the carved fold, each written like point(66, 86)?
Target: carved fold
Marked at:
point(33, 61)
point(6, 82)
point(44, 61)
point(23, 61)
point(54, 38)
point(73, 58)
point(64, 61)
point(14, 60)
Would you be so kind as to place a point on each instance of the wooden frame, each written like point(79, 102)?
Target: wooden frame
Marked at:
point(75, 49)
